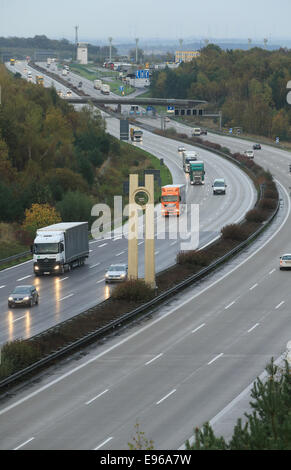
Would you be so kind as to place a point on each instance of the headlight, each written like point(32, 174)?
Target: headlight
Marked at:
point(107, 275)
point(36, 268)
point(26, 298)
point(122, 275)
point(56, 268)
point(10, 299)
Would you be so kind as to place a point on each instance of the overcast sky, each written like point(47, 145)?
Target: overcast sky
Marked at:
point(99, 19)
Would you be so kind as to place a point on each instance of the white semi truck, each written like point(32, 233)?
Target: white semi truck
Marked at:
point(105, 89)
point(60, 247)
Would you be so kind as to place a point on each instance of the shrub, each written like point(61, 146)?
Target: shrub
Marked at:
point(270, 194)
point(75, 207)
point(18, 355)
point(234, 232)
point(256, 215)
point(196, 258)
point(267, 204)
point(133, 291)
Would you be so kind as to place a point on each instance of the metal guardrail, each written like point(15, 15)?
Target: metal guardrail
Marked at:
point(146, 308)
point(14, 257)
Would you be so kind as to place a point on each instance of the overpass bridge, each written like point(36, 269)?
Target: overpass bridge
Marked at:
point(138, 101)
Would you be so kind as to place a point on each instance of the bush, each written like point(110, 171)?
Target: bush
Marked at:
point(75, 207)
point(18, 355)
point(133, 291)
point(234, 232)
point(256, 215)
point(270, 194)
point(196, 258)
point(267, 204)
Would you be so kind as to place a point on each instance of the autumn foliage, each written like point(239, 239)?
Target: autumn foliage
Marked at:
point(40, 215)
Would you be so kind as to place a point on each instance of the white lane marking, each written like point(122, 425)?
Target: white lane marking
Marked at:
point(273, 270)
point(253, 327)
point(24, 443)
point(157, 252)
point(141, 243)
point(67, 297)
point(254, 286)
point(174, 243)
point(149, 325)
point(103, 443)
point(199, 328)
point(101, 246)
point(230, 305)
point(23, 278)
point(116, 239)
point(98, 396)
point(280, 304)
point(64, 278)
point(119, 254)
point(154, 359)
point(20, 318)
point(167, 396)
point(2, 287)
point(215, 358)
point(99, 282)
point(94, 265)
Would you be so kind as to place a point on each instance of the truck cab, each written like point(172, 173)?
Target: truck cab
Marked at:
point(188, 156)
point(173, 199)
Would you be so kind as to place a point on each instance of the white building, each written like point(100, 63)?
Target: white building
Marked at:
point(82, 53)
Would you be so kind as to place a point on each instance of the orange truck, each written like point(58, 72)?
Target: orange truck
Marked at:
point(172, 199)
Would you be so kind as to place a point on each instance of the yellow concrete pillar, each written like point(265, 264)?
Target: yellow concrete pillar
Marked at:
point(133, 229)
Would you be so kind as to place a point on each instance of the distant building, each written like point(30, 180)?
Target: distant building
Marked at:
point(82, 53)
point(186, 56)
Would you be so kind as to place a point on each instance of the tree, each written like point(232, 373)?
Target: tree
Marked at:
point(268, 427)
point(75, 207)
point(40, 215)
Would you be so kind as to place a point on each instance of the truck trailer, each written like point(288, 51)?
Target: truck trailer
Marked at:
point(60, 247)
point(97, 84)
point(173, 199)
point(188, 156)
point(197, 172)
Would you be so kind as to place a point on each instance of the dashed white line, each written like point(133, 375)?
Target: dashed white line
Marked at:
point(23, 278)
point(254, 286)
point(156, 253)
point(280, 304)
point(64, 278)
point(20, 318)
point(67, 297)
point(94, 265)
point(98, 396)
point(215, 358)
point(99, 282)
point(24, 443)
point(154, 359)
point(2, 287)
point(167, 396)
point(101, 246)
point(273, 270)
point(199, 328)
point(119, 254)
point(103, 443)
point(230, 305)
point(253, 327)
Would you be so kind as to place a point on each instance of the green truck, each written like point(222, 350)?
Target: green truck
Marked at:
point(197, 172)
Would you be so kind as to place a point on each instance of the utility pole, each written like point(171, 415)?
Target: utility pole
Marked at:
point(265, 42)
point(136, 50)
point(110, 49)
point(76, 40)
point(250, 42)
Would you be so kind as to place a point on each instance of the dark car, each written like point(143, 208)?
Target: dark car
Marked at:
point(203, 132)
point(257, 147)
point(23, 295)
point(80, 84)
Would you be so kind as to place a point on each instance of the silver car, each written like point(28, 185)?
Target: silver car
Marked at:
point(116, 273)
point(285, 261)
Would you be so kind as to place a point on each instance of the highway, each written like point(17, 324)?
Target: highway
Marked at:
point(65, 296)
point(176, 370)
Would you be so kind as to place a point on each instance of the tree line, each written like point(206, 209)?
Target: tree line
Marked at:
point(248, 86)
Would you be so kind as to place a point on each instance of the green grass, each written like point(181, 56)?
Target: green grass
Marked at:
point(90, 75)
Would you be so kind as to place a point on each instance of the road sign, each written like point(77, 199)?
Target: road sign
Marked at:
point(277, 140)
point(142, 74)
point(121, 88)
point(149, 108)
point(230, 130)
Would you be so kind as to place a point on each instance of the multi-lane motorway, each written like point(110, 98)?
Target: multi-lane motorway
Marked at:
point(182, 367)
point(65, 296)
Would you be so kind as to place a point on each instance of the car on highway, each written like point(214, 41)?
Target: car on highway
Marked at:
point(116, 273)
point(249, 154)
point(80, 84)
point(69, 93)
point(181, 149)
point(203, 132)
point(23, 295)
point(219, 186)
point(257, 147)
point(60, 93)
point(167, 119)
point(285, 261)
